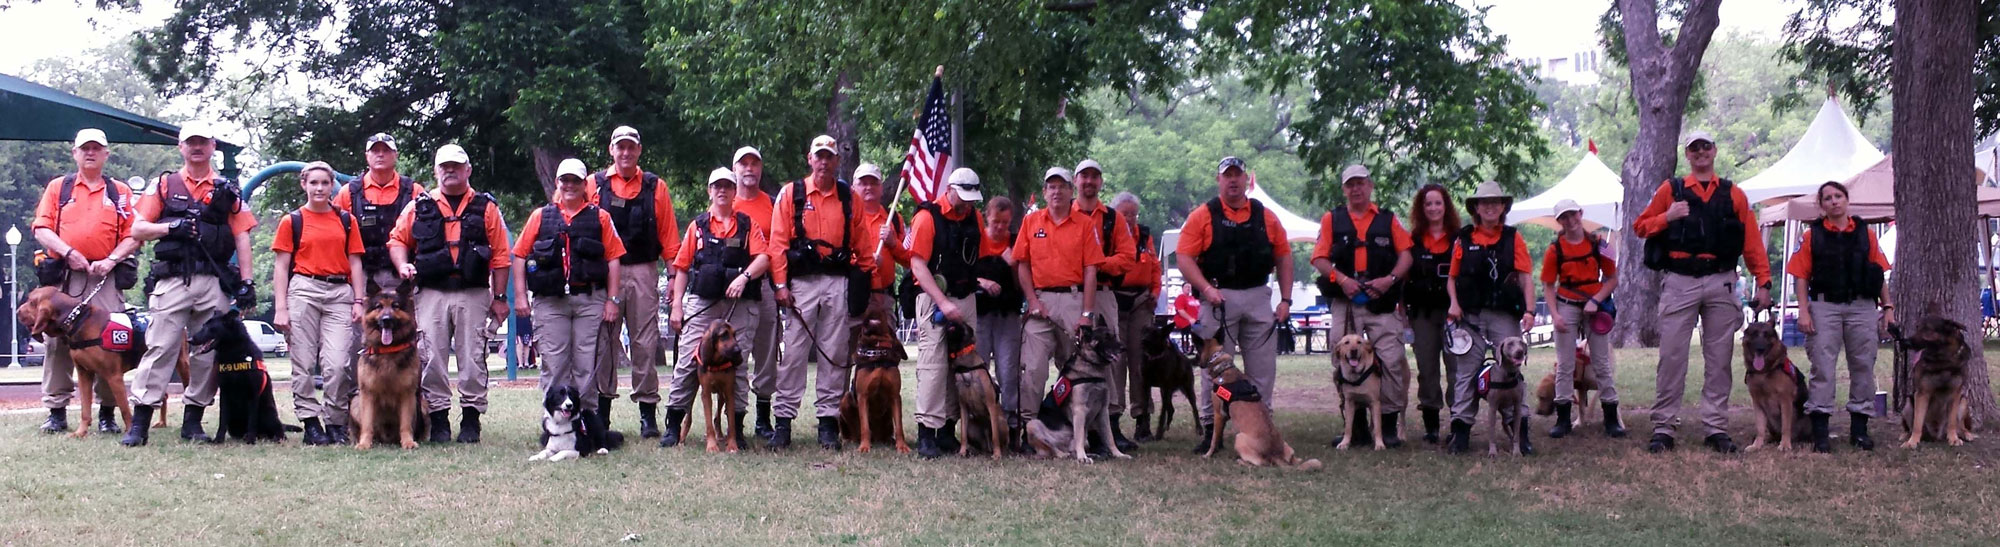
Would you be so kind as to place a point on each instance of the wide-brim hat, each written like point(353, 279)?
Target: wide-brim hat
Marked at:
point(1489, 190)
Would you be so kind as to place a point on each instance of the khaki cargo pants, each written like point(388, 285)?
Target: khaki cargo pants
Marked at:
point(639, 316)
point(179, 305)
point(1044, 339)
point(698, 315)
point(1850, 326)
point(453, 324)
point(1385, 332)
point(1250, 333)
point(764, 344)
point(322, 316)
point(820, 310)
point(937, 399)
point(566, 335)
point(1684, 301)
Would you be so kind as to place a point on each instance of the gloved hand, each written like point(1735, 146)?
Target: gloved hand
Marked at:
point(246, 295)
point(182, 229)
point(223, 200)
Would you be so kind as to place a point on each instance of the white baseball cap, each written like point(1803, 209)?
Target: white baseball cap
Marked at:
point(196, 129)
point(1352, 172)
point(824, 142)
point(722, 174)
point(379, 138)
point(1228, 162)
point(572, 166)
point(1696, 135)
point(1058, 172)
point(451, 153)
point(965, 183)
point(1567, 205)
point(1089, 164)
point(90, 134)
point(624, 133)
point(868, 170)
point(744, 152)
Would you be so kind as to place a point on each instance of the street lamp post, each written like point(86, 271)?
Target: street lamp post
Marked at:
point(13, 295)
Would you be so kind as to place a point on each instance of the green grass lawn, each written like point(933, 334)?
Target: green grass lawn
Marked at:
point(1581, 490)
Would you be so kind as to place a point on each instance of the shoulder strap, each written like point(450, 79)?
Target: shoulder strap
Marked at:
point(68, 187)
point(799, 211)
point(404, 186)
point(346, 230)
point(847, 212)
point(604, 193)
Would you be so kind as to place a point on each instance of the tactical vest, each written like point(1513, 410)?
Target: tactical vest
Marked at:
point(637, 224)
point(205, 253)
point(954, 249)
point(377, 220)
point(567, 257)
point(1711, 228)
point(719, 260)
point(1108, 234)
point(1239, 255)
point(436, 269)
point(802, 256)
point(1429, 271)
point(1841, 269)
point(1596, 255)
point(1380, 245)
point(1011, 299)
point(1486, 275)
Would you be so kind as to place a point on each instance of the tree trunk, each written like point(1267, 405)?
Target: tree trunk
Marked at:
point(546, 161)
point(841, 127)
point(1935, 191)
point(1662, 77)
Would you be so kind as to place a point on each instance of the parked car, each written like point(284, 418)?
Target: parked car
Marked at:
point(267, 338)
point(32, 356)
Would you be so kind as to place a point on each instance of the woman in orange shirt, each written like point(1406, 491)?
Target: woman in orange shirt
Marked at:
point(1578, 275)
point(316, 275)
point(1490, 290)
point(1433, 223)
point(1839, 267)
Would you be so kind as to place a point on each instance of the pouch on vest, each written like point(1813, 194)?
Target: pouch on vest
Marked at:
point(859, 288)
point(475, 265)
point(587, 249)
point(710, 281)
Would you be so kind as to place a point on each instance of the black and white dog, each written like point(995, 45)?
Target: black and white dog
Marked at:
point(569, 432)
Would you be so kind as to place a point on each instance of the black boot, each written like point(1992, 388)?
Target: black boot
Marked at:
point(58, 421)
point(737, 432)
point(781, 435)
point(107, 419)
point(947, 437)
point(764, 418)
point(191, 425)
point(672, 436)
point(314, 434)
point(1461, 437)
point(337, 435)
point(1527, 446)
point(142, 422)
point(927, 447)
point(1430, 425)
point(1614, 425)
point(604, 406)
point(1207, 430)
point(1857, 431)
point(440, 426)
point(1721, 443)
point(468, 426)
point(829, 433)
point(1819, 432)
point(648, 427)
point(1661, 442)
point(1392, 431)
point(1142, 428)
point(1562, 426)
point(1118, 435)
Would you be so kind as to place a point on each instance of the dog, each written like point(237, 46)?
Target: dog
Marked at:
point(387, 406)
point(249, 409)
point(1082, 396)
point(1500, 385)
point(1584, 383)
point(1357, 375)
point(561, 413)
point(872, 412)
point(978, 396)
point(717, 358)
point(1777, 388)
point(101, 347)
point(1236, 399)
point(1167, 370)
point(1937, 371)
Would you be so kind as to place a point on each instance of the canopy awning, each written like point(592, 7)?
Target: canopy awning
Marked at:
point(1592, 184)
point(1297, 228)
point(1871, 194)
point(34, 112)
point(1830, 149)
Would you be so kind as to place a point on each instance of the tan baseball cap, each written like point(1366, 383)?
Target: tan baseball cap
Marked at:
point(745, 152)
point(824, 142)
point(451, 153)
point(868, 170)
point(1696, 135)
point(625, 133)
point(1567, 205)
point(90, 134)
point(572, 166)
point(379, 138)
point(1089, 164)
point(196, 129)
point(1352, 172)
point(1059, 172)
point(722, 175)
point(965, 183)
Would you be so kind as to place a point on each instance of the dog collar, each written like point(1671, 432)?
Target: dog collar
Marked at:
point(726, 365)
point(382, 350)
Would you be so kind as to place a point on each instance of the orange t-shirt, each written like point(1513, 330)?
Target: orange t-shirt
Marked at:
point(1197, 234)
point(151, 204)
point(1654, 219)
point(91, 223)
point(725, 228)
point(1491, 236)
point(496, 227)
point(667, 228)
point(1582, 265)
point(1800, 265)
point(1124, 252)
point(822, 222)
point(1056, 252)
point(885, 270)
point(1323, 246)
point(323, 247)
point(376, 191)
point(525, 245)
point(758, 208)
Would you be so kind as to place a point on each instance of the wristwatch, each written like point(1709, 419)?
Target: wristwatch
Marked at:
point(779, 286)
point(619, 300)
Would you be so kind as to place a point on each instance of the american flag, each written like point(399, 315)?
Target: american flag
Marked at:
point(930, 147)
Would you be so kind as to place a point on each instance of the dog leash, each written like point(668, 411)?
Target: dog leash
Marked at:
point(77, 311)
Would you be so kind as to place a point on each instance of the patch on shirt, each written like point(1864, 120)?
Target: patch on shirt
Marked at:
point(1041, 234)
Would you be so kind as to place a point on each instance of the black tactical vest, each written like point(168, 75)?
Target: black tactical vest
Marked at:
point(209, 251)
point(377, 220)
point(1841, 269)
point(1380, 245)
point(1486, 275)
point(637, 226)
point(1711, 228)
point(719, 260)
point(954, 249)
point(1239, 255)
point(567, 257)
point(436, 269)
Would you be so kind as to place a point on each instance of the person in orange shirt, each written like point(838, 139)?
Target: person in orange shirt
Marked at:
point(889, 232)
point(1228, 250)
point(1696, 228)
point(1137, 294)
point(1491, 286)
point(999, 329)
point(643, 211)
point(383, 195)
point(1434, 223)
point(1839, 267)
point(566, 261)
point(752, 200)
point(1362, 252)
point(1579, 274)
point(818, 244)
point(1120, 257)
point(461, 277)
point(947, 240)
point(317, 277)
point(1055, 261)
point(201, 223)
point(82, 222)
point(719, 272)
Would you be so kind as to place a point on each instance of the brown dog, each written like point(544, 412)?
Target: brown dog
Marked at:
point(1503, 397)
point(978, 396)
point(50, 314)
point(878, 385)
point(1236, 399)
point(1165, 369)
point(717, 358)
point(1584, 383)
point(387, 407)
point(1066, 417)
point(1937, 372)
point(1357, 375)
point(1777, 388)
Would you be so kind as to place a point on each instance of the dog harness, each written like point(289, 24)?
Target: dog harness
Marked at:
point(118, 335)
point(246, 366)
point(1241, 390)
point(1487, 383)
point(1373, 370)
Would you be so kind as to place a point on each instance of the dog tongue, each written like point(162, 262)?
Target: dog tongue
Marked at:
point(1757, 362)
point(386, 337)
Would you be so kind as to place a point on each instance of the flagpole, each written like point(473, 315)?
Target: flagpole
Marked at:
point(896, 199)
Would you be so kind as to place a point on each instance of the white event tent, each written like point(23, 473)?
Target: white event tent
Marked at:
point(1830, 149)
point(1592, 184)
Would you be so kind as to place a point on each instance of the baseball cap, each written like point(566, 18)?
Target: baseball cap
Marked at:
point(722, 174)
point(382, 138)
point(1352, 172)
point(90, 134)
point(868, 170)
point(624, 133)
point(965, 183)
point(746, 151)
point(1696, 135)
point(1227, 163)
point(451, 153)
point(1055, 172)
point(196, 129)
point(572, 166)
point(824, 142)
point(1567, 205)
point(1089, 164)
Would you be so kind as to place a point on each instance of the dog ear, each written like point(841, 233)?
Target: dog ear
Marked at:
point(403, 295)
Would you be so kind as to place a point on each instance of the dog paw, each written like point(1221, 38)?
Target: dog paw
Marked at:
point(409, 445)
point(1955, 441)
point(80, 432)
point(1341, 446)
point(864, 448)
point(1785, 447)
point(538, 457)
point(902, 448)
point(1380, 446)
point(364, 444)
point(603, 451)
point(1912, 443)
point(1755, 446)
point(1084, 458)
point(1121, 455)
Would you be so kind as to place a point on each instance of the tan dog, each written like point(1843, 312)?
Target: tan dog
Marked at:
point(1087, 405)
point(1584, 383)
point(878, 385)
point(978, 396)
point(1503, 396)
point(1937, 373)
point(717, 358)
point(1777, 388)
point(1236, 399)
point(1358, 376)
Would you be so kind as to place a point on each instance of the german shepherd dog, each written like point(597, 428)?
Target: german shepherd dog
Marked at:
point(1937, 371)
point(1357, 375)
point(1777, 388)
point(249, 409)
point(872, 412)
point(1065, 418)
point(1166, 369)
point(47, 314)
point(1236, 399)
point(716, 359)
point(387, 407)
point(1504, 395)
point(978, 396)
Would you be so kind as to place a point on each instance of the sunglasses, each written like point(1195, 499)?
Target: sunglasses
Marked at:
point(1701, 146)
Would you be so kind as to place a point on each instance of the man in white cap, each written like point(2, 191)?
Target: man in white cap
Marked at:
point(452, 243)
point(567, 259)
point(82, 222)
point(1579, 274)
point(383, 193)
point(1361, 254)
point(818, 244)
point(1228, 249)
point(643, 211)
point(752, 200)
point(1055, 260)
point(946, 240)
point(718, 276)
point(889, 231)
point(1697, 228)
point(1120, 257)
point(201, 224)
